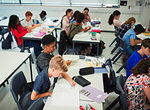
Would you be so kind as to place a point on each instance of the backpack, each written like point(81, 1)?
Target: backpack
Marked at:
point(94, 48)
point(6, 44)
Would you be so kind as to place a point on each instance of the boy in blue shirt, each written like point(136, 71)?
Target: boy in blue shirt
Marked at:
point(144, 52)
point(43, 86)
point(131, 39)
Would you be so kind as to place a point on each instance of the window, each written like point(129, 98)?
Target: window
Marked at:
point(85, 3)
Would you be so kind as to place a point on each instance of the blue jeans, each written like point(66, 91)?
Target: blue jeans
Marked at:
point(35, 44)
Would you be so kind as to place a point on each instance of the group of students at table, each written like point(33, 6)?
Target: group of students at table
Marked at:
point(137, 86)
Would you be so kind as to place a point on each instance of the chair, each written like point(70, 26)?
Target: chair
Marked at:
point(122, 51)
point(109, 82)
point(20, 91)
point(3, 31)
point(122, 96)
point(116, 39)
point(37, 105)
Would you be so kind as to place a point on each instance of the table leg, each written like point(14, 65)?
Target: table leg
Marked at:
point(56, 36)
point(30, 58)
point(97, 48)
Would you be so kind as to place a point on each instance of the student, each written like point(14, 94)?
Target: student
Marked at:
point(43, 86)
point(131, 39)
point(19, 32)
point(137, 86)
point(86, 14)
point(41, 17)
point(144, 52)
point(43, 59)
point(27, 22)
point(74, 17)
point(77, 27)
point(126, 26)
point(66, 19)
point(114, 19)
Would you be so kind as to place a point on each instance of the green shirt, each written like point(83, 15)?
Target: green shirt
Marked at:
point(74, 30)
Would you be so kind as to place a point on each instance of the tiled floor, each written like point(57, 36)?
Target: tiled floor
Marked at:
point(7, 101)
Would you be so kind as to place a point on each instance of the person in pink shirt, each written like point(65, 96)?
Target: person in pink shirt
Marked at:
point(114, 19)
point(18, 31)
point(66, 19)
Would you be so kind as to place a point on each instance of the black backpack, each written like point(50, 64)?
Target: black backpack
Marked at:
point(6, 44)
point(94, 48)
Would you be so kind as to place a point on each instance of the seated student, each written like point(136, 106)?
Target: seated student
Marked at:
point(137, 86)
point(19, 32)
point(114, 19)
point(41, 17)
point(77, 27)
point(66, 19)
point(27, 22)
point(131, 39)
point(144, 52)
point(74, 17)
point(126, 26)
point(86, 14)
point(43, 86)
point(43, 59)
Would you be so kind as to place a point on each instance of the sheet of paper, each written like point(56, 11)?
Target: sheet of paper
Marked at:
point(65, 97)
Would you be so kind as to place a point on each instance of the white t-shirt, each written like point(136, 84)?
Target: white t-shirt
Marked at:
point(39, 19)
point(27, 23)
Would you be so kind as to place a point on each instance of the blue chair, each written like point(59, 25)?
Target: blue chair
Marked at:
point(20, 91)
point(122, 96)
point(37, 105)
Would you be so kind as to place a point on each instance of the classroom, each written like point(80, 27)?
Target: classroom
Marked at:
point(74, 55)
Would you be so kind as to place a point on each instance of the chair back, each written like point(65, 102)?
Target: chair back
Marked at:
point(37, 105)
point(15, 38)
point(17, 84)
point(123, 46)
point(62, 42)
point(37, 68)
point(119, 86)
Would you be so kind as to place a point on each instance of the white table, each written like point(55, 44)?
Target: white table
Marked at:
point(85, 37)
point(44, 26)
point(73, 70)
point(10, 62)
point(142, 36)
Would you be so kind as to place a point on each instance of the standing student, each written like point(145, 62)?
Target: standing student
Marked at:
point(74, 17)
point(27, 22)
point(43, 85)
point(131, 39)
point(76, 28)
point(16, 28)
point(114, 19)
point(144, 52)
point(46, 55)
point(86, 14)
point(137, 86)
point(41, 17)
point(66, 19)
point(126, 26)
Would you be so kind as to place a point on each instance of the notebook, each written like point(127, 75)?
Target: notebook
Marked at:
point(94, 94)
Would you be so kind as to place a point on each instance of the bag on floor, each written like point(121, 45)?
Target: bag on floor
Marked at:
point(6, 44)
point(101, 47)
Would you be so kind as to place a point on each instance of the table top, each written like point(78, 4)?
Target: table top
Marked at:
point(142, 36)
point(9, 62)
point(73, 70)
point(43, 28)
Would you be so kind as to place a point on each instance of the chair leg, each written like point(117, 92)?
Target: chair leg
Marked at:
point(113, 103)
point(112, 42)
point(117, 58)
point(125, 64)
point(114, 49)
point(116, 55)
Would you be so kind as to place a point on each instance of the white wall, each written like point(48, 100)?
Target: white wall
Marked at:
point(103, 13)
